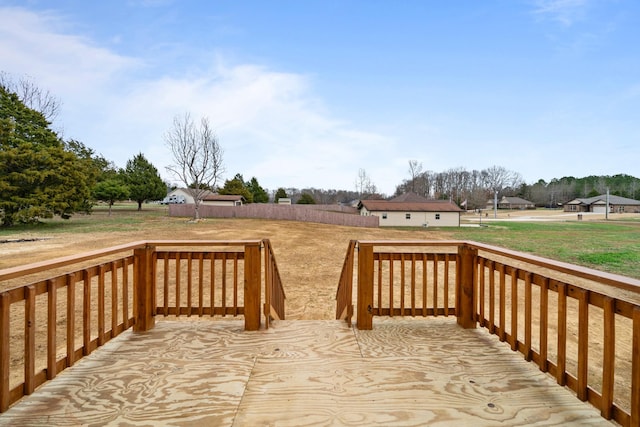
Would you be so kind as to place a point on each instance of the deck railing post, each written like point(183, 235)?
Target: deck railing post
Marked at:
point(365, 286)
point(252, 288)
point(465, 286)
point(144, 288)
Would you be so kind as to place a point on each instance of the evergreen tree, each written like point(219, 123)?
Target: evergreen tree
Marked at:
point(143, 180)
point(306, 199)
point(259, 194)
point(280, 194)
point(111, 190)
point(91, 166)
point(237, 187)
point(39, 177)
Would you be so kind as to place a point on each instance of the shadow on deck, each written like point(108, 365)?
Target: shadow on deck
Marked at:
point(404, 372)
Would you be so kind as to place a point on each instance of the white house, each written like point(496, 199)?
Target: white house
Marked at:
point(412, 210)
point(179, 193)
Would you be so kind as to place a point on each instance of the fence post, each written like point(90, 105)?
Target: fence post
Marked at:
point(365, 286)
point(465, 286)
point(144, 288)
point(252, 288)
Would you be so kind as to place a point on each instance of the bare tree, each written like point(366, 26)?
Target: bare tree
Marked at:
point(364, 186)
point(498, 178)
point(415, 168)
point(197, 155)
point(32, 96)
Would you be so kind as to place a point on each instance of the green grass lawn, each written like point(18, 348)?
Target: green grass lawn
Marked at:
point(608, 246)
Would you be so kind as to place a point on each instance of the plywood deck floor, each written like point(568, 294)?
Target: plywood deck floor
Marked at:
point(405, 372)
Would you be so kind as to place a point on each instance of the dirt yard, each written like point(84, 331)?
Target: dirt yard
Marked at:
point(309, 256)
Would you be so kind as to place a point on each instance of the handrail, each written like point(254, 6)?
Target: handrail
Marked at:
point(344, 294)
point(38, 267)
point(609, 279)
point(129, 286)
point(508, 292)
point(274, 291)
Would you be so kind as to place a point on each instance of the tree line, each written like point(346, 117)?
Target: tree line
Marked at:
point(474, 188)
point(42, 175)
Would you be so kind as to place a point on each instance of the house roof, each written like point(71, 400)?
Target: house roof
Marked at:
point(426, 206)
point(223, 197)
point(515, 201)
point(614, 200)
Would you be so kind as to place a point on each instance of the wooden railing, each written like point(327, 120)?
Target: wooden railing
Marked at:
point(580, 325)
point(344, 294)
point(68, 308)
point(410, 278)
point(273, 289)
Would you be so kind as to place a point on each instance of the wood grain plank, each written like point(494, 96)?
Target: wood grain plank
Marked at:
point(5, 355)
point(30, 339)
point(71, 319)
point(583, 344)
point(404, 372)
point(561, 364)
point(544, 325)
point(635, 369)
point(514, 309)
point(481, 292)
point(52, 317)
point(502, 332)
point(101, 306)
point(609, 356)
point(528, 314)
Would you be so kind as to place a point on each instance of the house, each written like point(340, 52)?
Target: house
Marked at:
point(598, 204)
point(223, 200)
point(412, 210)
point(513, 203)
point(185, 196)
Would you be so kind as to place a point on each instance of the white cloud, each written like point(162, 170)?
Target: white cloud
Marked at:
point(271, 125)
point(34, 44)
point(566, 12)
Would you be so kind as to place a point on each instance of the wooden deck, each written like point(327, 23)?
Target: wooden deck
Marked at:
point(404, 372)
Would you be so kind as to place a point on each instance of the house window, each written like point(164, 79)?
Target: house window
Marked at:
point(437, 216)
point(407, 215)
point(384, 215)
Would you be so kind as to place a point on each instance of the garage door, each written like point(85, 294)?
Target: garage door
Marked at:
point(600, 209)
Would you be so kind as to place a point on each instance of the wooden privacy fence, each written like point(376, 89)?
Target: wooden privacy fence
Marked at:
point(580, 325)
point(61, 315)
point(325, 214)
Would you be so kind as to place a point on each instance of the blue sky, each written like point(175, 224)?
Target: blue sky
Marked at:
point(306, 93)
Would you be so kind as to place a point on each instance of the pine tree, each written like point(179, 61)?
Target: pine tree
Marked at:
point(39, 178)
point(111, 190)
point(238, 187)
point(260, 195)
point(143, 180)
